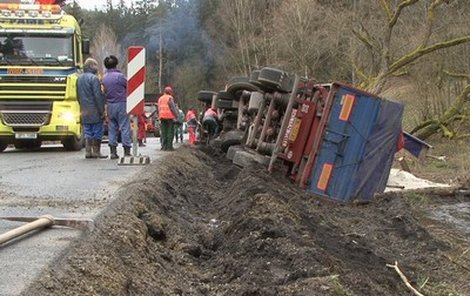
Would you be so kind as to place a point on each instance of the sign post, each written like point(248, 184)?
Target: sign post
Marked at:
point(135, 98)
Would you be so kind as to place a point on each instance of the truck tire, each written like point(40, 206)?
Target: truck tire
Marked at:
point(73, 143)
point(205, 96)
point(254, 78)
point(232, 150)
point(237, 85)
point(224, 95)
point(226, 104)
point(230, 138)
point(3, 146)
point(274, 80)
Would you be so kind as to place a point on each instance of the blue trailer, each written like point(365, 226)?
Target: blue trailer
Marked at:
point(357, 147)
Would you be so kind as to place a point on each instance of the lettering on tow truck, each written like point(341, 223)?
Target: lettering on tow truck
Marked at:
point(25, 21)
point(19, 71)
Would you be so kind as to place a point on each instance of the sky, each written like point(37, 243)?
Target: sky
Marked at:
point(92, 4)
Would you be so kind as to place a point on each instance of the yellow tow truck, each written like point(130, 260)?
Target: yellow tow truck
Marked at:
point(41, 55)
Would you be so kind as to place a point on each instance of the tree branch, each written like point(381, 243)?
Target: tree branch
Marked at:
point(394, 18)
point(419, 52)
point(430, 21)
point(423, 125)
point(387, 9)
point(458, 75)
point(365, 38)
point(404, 279)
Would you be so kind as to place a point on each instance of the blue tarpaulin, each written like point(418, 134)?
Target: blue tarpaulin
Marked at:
point(415, 145)
point(358, 146)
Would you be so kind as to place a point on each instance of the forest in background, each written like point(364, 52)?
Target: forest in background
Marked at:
point(413, 51)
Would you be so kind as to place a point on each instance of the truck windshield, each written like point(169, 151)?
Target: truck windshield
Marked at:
point(33, 50)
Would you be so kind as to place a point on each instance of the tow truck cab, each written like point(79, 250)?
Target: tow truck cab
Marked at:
point(41, 55)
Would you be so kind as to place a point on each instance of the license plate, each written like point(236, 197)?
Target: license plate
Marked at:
point(26, 136)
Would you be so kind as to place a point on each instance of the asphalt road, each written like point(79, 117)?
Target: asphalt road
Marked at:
point(54, 182)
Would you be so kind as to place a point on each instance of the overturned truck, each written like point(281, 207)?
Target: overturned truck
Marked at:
point(332, 139)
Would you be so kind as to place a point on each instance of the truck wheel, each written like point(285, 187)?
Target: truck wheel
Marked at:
point(236, 85)
point(73, 143)
point(205, 96)
point(254, 78)
point(226, 104)
point(246, 158)
point(275, 79)
point(231, 138)
point(3, 146)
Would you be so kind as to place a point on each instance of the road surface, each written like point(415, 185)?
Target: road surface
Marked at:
point(53, 182)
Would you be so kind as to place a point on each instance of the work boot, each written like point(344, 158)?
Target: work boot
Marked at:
point(96, 150)
point(113, 150)
point(127, 151)
point(141, 143)
point(88, 149)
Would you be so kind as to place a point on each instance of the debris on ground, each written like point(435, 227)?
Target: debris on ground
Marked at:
point(402, 180)
point(195, 224)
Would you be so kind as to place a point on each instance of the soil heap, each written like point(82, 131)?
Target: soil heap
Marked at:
point(194, 224)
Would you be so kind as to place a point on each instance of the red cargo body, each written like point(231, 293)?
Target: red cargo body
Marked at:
point(306, 125)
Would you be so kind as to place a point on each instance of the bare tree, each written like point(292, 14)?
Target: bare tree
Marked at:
point(404, 43)
point(389, 61)
point(105, 44)
point(246, 25)
point(310, 38)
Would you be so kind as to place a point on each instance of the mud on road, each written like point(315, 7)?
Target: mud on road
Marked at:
point(194, 224)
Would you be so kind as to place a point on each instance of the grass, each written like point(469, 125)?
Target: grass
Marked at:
point(454, 169)
point(416, 199)
point(337, 288)
point(440, 289)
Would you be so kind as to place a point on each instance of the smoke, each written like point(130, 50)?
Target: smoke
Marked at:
point(182, 38)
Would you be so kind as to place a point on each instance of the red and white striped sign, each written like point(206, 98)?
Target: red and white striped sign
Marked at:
point(135, 80)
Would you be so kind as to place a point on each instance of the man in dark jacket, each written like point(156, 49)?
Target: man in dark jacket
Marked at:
point(92, 104)
point(115, 88)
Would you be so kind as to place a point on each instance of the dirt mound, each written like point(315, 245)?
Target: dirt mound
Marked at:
point(194, 224)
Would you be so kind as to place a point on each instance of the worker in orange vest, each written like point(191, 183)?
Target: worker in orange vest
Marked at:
point(168, 115)
point(191, 121)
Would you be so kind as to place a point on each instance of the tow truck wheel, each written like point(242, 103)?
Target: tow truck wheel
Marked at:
point(3, 146)
point(73, 143)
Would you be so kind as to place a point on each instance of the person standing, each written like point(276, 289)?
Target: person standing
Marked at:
point(191, 121)
point(141, 130)
point(92, 104)
point(179, 125)
point(115, 88)
point(168, 114)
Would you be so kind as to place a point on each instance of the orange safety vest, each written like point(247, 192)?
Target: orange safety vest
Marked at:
point(164, 110)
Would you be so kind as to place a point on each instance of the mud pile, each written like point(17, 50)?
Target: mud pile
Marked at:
point(194, 224)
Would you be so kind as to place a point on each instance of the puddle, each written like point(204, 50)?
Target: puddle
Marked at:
point(457, 215)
